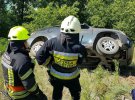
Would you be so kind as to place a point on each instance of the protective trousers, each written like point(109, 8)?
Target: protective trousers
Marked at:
point(73, 86)
point(133, 94)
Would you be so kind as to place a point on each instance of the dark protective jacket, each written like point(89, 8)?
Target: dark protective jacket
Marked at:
point(63, 53)
point(18, 72)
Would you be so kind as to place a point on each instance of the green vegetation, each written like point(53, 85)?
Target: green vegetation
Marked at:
point(95, 84)
point(50, 16)
point(3, 44)
point(116, 14)
point(103, 85)
point(133, 61)
point(1, 78)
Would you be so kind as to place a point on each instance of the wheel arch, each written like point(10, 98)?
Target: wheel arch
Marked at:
point(40, 38)
point(104, 34)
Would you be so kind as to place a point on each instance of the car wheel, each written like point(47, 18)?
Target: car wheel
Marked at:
point(99, 52)
point(35, 47)
point(107, 45)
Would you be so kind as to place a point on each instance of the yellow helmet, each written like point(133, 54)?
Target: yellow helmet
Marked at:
point(18, 33)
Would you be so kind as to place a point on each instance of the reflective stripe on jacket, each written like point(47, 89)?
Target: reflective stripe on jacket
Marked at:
point(66, 60)
point(64, 76)
point(18, 75)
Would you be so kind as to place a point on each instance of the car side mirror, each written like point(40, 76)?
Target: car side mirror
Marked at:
point(84, 26)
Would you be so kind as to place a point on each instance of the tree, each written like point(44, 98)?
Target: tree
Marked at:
point(5, 20)
point(13, 12)
point(81, 5)
point(19, 9)
point(96, 11)
point(116, 14)
point(123, 16)
point(50, 16)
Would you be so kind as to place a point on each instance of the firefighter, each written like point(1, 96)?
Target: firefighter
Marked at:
point(17, 67)
point(63, 54)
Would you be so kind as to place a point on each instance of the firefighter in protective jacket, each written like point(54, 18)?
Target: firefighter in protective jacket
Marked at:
point(63, 54)
point(17, 67)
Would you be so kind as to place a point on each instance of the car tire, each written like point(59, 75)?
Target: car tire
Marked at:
point(98, 51)
point(107, 45)
point(35, 47)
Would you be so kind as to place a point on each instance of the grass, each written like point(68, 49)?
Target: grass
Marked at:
point(103, 85)
point(42, 80)
point(1, 79)
point(96, 85)
point(133, 61)
point(3, 44)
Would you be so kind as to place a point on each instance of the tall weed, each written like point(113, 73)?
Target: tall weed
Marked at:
point(103, 85)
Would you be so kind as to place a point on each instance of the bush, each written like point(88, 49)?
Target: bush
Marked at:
point(3, 44)
point(103, 85)
point(49, 16)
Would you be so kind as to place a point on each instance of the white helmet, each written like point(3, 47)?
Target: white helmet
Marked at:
point(70, 25)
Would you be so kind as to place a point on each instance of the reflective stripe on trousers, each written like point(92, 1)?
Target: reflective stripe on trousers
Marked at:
point(64, 76)
point(16, 92)
point(18, 95)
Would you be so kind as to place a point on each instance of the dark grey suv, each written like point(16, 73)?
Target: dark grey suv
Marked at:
point(103, 45)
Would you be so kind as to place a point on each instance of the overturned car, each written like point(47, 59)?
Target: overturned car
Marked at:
point(103, 45)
